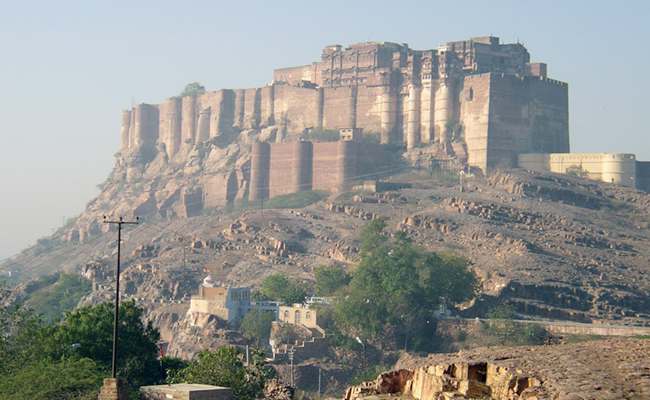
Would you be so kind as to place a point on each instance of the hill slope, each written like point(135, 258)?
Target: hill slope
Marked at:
point(556, 246)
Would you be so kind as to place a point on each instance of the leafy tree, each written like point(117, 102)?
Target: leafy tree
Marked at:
point(69, 378)
point(330, 279)
point(372, 236)
point(224, 367)
point(192, 89)
point(505, 310)
point(577, 170)
point(398, 283)
point(92, 328)
point(278, 288)
point(256, 325)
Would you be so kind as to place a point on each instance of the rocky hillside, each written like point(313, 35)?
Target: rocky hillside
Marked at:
point(558, 247)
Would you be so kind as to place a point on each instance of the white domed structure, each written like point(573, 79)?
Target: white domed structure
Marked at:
point(209, 281)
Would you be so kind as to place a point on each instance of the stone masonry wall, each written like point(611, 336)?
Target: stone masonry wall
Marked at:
point(501, 105)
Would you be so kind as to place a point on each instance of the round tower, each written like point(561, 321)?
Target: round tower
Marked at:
point(301, 168)
point(260, 165)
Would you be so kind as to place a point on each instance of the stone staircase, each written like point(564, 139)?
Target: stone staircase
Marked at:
point(303, 349)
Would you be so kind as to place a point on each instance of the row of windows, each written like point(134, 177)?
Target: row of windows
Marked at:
point(239, 296)
point(297, 315)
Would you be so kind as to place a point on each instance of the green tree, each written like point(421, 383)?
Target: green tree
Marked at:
point(577, 170)
point(224, 367)
point(69, 378)
point(371, 235)
point(278, 288)
point(505, 310)
point(256, 325)
point(92, 328)
point(398, 283)
point(330, 279)
point(192, 89)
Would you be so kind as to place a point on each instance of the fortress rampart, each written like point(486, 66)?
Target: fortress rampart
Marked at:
point(283, 168)
point(479, 91)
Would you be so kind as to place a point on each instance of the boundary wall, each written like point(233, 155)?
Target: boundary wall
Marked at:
point(618, 168)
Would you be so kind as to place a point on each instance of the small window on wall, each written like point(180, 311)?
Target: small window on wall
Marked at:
point(308, 315)
point(470, 94)
point(286, 315)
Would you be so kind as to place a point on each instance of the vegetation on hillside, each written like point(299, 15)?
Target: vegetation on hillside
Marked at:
point(224, 367)
point(57, 294)
point(395, 288)
point(279, 288)
point(256, 325)
point(330, 279)
point(81, 345)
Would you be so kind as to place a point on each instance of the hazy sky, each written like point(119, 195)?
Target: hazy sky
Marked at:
point(69, 68)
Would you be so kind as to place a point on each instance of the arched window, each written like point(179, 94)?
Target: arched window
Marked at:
point(308, 315)
point(296, 319)
point(286, 315)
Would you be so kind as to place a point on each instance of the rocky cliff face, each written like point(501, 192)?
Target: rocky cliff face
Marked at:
point(613, 369)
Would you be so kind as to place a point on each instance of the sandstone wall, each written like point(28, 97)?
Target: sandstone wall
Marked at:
point(643, 175)
point(475, 117)
point(325, 166)
point(296, 75)
point(368, 108)
point(550, 111)
point(283, 168)
point(488, 91)
point(337, 109)
point(526, 114)
point(299, 107)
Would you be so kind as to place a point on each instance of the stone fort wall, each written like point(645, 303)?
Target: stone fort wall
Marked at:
point(284, 168)
point(485, 94)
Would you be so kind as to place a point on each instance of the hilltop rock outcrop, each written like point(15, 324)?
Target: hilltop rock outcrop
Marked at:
point(599, 370)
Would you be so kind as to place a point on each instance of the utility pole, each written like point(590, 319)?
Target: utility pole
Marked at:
point(119, 223)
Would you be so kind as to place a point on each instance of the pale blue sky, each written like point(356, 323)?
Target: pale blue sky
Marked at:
point(69, 68)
